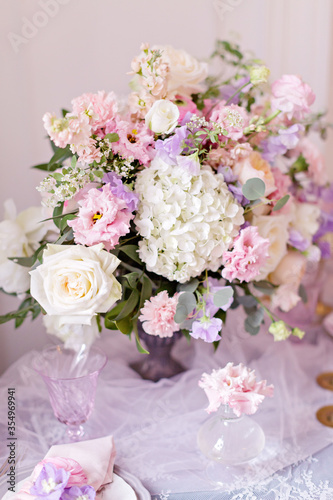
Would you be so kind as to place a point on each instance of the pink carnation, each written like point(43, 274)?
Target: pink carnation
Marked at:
point(157, 315)
point(232, 118)
point(102, 218)
point(77, 475)
point(235, 386)
point(292, 96)
point(99, 108)
point(248, 256)
point(135, 140)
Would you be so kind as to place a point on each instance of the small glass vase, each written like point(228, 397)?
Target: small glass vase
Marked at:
point(71, 381)
point(229, 442)
point(158, 363)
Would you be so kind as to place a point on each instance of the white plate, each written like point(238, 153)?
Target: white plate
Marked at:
point(123, 487)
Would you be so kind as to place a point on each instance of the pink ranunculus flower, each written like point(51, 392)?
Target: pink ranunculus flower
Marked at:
point(185, 105)
point(292, 96)
point(102, 218)
point(157, 315)
point(246, 259)
point(77, 475)
point(235, 386)
point(232, 118)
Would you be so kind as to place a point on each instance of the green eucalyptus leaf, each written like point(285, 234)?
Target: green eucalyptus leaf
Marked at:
point(188, 300)
point(222, 297)
point(254, 189)
point(247, 300)
point(191, 286)
point(257, 317)
point(302, 293)
point(281, 203)
point(264, 287)
point(181, 314)
point(129, 306)
point(114, 137)
point(252, 330)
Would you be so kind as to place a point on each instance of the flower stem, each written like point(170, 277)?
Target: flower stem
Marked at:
point(237, 91)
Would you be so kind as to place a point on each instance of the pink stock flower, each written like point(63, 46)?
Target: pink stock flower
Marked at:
point(248, 256)
point(88, 152)
point(68, 130)
point(235, 386)
point(135, 140)
point(99, 108)
point(102, 218)
point(292, 96)
point(77, 474)
point(232, 118)
point(157, 315)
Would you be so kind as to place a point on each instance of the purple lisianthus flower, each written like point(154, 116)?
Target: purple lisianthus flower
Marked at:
point(227, 173)
point(298, 241)
point(172, 146)
point(50, 483)
point(77, 493)
point(121, 191)
point(207, 329)
point(279, 144)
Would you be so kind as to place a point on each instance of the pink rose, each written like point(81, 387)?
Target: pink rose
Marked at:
point(255, 166)
point(292, 96)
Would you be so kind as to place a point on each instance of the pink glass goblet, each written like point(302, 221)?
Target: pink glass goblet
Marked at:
point(71, 381)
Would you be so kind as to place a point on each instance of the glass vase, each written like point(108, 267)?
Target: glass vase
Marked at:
point(159, 363)
point(229, 442)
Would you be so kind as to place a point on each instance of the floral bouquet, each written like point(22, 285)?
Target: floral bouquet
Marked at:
point(194, 195)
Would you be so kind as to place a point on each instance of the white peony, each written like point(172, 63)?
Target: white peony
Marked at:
point(73, 335)
point(186, 221)
point(276, 230)
point(185, 72)
point(162, 117)
point(19, 237)
point(76, 282)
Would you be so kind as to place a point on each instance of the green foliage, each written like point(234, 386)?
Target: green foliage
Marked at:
point(254, 189)
point(222, 297)
point(281, 203)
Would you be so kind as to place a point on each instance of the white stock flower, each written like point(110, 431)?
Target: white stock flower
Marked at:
point(276, 230)
point(76, 282)
point(186, 221)
point(73, 335)
point(186, 73)
point(19, 237)
point(162, 117)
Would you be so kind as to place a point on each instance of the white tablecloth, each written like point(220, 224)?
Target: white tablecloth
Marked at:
point(155, 424)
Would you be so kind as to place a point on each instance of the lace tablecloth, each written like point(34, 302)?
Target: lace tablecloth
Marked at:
point(155, 424)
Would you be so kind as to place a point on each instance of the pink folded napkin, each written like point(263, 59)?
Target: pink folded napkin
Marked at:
point(96, 457)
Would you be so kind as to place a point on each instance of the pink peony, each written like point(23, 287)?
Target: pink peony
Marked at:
point(232, 118)
point(249, 254)
point(102, 218)
point(157, 315)
point(135, 140)
point(77, 476)
point(235, 386)
point(99, 108)
point(292, 96)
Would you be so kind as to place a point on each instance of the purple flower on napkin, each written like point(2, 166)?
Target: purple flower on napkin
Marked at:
point(51, 483)
point(76, 493)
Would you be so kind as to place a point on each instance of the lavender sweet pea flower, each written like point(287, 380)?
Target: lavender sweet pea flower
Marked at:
point(298, 241)
point(170, 148)
point(326, 225)
point(288, 138)
point(76, 493)
point(207, 329)
point(50, 483)
point(191, 163)
point(227, 173)
point(121, 191)
point(325, 249)
point(238, 194)
point(227, 90)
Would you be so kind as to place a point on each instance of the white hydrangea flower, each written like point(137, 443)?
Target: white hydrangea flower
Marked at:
point(186, 221)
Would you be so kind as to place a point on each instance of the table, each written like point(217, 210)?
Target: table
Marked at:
point(155, 424)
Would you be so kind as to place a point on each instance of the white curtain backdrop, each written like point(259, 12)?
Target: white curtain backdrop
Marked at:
point(54, 50)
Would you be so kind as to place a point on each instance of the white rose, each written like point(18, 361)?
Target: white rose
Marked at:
point(76, 282)
point(19, 237)
point(290, 270)
point(275, 228)
point(305, 219)
point(185, 72)
point(162, 117)
point(73, 335)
